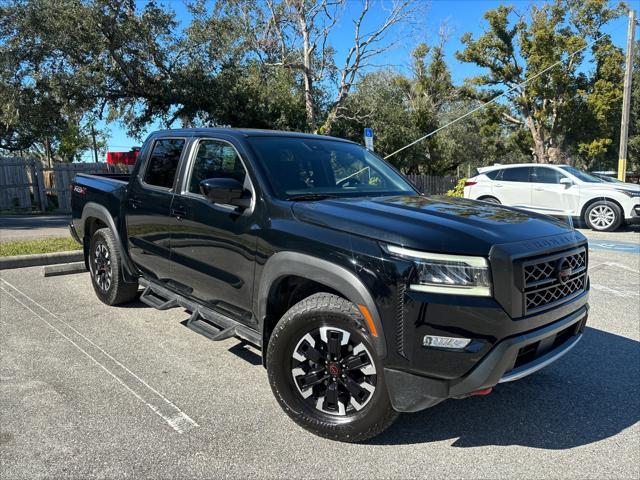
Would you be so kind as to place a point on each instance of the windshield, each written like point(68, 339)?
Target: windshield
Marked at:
point(303, 167)
point(584, 176)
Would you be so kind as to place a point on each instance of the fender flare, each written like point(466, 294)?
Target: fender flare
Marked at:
point(322, 271)
point(95, 210)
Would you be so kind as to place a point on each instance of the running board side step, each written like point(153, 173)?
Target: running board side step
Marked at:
point(149, 297)
point(205, 321)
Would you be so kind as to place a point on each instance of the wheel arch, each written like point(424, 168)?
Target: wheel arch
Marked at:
point(484, 198)
point(95, 216)
point(335, 278)
point(586, 206)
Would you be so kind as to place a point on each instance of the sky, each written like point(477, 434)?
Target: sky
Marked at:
point(458, 17)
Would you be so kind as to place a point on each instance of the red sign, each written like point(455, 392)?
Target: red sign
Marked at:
point(122, 158)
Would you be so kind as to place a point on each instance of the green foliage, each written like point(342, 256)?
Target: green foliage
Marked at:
point(458, 190)
point(31, 247)
point(560, 107)
point(68, 65)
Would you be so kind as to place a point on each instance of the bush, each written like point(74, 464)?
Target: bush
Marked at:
point(458, 190)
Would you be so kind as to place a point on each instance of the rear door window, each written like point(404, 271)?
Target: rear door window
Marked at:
point(493, 174)
point(517, 174)
point(163, 162)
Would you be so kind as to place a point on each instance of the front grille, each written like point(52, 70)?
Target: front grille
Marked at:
point(554, 279)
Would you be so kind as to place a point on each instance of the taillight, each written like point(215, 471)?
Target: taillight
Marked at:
point(469, 183)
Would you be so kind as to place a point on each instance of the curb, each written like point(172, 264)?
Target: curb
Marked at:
point(63, 269)
point(21, 261)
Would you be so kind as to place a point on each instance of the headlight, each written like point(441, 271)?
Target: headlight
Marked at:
point(449, 274)
point(629, 193)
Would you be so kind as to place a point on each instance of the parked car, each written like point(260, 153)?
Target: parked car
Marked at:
point(558, 190)
point(366, 297)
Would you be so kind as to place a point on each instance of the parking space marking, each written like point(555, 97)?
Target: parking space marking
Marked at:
point(158, 403)
point(615, 291)
point(623, 247)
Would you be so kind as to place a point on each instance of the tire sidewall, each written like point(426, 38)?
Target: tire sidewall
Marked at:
point(616, 210)
point(100, 239)
point(285, 337)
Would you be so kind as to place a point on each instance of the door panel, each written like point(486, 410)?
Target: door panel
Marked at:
point(512, 187)
point(148, 206)
point(213, 247)
point(548, 195)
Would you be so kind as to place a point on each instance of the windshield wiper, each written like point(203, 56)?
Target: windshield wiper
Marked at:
point(309, 197)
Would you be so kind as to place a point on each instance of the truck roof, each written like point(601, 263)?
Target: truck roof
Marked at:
point(244, 133)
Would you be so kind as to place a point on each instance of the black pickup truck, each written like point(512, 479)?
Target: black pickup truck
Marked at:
point(365, 297)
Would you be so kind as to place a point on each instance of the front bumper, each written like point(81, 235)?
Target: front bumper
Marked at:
point(634, 218)
point(510, 359)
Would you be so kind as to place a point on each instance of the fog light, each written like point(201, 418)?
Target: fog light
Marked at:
point(445, 342)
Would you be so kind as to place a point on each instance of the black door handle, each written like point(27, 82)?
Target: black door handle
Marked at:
point(135, 203)
point(175, 212)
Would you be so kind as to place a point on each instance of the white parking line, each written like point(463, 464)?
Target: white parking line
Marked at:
point(615, 291)
point(158, 403)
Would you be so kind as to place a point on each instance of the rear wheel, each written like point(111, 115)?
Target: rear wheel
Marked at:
point(324, 372)
point(105, 265)
point(603, 216)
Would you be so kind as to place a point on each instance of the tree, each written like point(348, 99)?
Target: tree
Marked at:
point(295, 35)
point(516, 48)
point(401, 109)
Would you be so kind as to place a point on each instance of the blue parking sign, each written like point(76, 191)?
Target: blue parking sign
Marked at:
point(368, 132)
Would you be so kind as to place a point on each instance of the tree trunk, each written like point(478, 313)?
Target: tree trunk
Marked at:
point(47, 150)
point(539, 150)
point(307, 70)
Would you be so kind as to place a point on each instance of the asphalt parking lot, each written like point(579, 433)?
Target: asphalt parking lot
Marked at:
point(90, 391)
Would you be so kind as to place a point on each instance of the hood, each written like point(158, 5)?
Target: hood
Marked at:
point(629, 187)
point(437, 224)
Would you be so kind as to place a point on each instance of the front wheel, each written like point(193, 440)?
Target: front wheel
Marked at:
point(324, 372)
point(603, 216)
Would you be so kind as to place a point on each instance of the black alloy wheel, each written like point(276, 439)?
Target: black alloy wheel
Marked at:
point(105, 264)
point(102, 266)
point(333, 371)
point(325, 372)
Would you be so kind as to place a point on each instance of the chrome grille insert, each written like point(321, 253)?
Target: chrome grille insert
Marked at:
point(553, 279)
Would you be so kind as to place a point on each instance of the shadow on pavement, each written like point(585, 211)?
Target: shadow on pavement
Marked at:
point(591, 394)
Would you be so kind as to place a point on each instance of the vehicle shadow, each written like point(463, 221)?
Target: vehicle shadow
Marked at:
point(589, 395)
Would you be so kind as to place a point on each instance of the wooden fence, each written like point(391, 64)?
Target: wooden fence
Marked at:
point(433, 185)
point(26, 185)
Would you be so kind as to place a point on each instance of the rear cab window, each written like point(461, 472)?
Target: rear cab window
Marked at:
point(162, 165)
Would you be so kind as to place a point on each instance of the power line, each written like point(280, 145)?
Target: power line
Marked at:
point(480, 107)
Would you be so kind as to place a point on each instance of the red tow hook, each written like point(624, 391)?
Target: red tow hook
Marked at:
point(484, 391)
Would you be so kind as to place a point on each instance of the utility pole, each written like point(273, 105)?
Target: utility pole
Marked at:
point(95, 147)
point(626, 99)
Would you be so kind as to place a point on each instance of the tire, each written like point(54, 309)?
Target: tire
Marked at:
point(296, 347)
point(105, 266)
point(603, 216)
point(490, 200)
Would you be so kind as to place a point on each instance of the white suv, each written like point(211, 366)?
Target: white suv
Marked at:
point(558, 190)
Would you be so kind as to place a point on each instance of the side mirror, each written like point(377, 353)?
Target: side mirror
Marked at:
point(566, 182)
point(226, 191)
